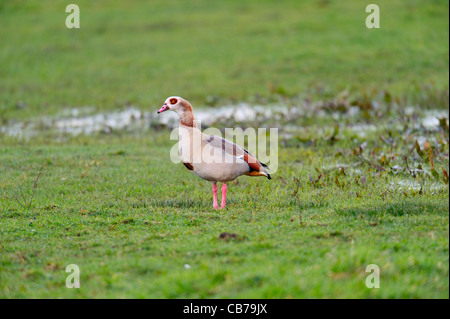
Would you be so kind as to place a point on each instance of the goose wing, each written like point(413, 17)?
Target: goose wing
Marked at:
point(237, 152)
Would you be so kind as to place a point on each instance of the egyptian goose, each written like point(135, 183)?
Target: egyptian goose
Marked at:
point(210, 157)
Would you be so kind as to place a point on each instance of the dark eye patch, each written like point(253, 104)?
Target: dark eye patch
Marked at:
point(173, 101)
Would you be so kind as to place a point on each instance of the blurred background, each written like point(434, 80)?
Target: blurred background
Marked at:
point(214, 53)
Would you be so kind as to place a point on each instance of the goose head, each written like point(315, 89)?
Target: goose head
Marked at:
point(180, 106)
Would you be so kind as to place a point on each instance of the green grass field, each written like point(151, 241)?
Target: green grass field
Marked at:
point(353, 188)
point(214, 52)
point(131, 219)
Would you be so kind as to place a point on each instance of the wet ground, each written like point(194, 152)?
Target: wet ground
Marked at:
point(287, 118)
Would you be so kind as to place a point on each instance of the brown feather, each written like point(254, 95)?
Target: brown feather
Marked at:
point(252, 162)
point(187, 119)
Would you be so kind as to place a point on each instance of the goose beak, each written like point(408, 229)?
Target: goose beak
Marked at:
point(163, 108)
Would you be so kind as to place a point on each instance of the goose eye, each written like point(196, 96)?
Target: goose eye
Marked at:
point(173, 101)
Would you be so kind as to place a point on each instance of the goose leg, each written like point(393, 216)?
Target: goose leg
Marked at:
point(224, 195)
point(214, 188)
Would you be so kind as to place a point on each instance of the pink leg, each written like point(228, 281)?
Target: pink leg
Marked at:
point(224, 195)
point(214, 187)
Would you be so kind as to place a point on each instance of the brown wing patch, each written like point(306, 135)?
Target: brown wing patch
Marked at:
point(188, 166)
point(252, 162)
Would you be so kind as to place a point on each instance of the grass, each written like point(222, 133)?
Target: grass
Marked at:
point(131, 220)
point(214, 53)
point(360, 179)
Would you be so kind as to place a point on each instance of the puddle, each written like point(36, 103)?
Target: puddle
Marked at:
point(82, 120)
point(75, 124)
point(431, 119)
point(415, 186)
point(79, 121)
point(105, 122)
point(13, 129)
